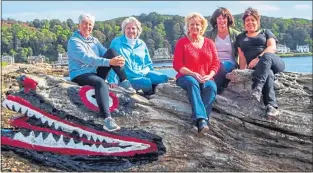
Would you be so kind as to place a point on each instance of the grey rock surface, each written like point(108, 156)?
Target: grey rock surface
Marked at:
point(241, 138)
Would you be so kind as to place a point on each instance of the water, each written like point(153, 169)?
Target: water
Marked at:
point(293, 64)
point(299, 64)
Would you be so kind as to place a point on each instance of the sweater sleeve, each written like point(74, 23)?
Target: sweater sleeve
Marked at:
point(148, 61)
point(178, 56)
point(130, 73)
point(215, 60)
point(101, 48)
point(77, 51)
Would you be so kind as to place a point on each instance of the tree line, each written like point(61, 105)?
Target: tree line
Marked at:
point(49, 37)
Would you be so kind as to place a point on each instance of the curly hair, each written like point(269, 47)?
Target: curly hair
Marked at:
point(225, 13)
point(131, 20)
point(251, 12)
point(204, 22)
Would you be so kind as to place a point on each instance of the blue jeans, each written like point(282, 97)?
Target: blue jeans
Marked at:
point(220, 76)
point(229, 65)
point(201, 96)
point(148, 82)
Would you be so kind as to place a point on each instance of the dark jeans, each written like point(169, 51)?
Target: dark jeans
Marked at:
point(220, 76)
point(200, 96)
point(104, 71)
point(98, 82)
point(263, 76)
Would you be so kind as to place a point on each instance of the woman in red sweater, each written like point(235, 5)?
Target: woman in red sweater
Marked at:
point(196, 61)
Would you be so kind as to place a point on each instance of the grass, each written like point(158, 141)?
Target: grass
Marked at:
point(294, 54)
point(3, 64)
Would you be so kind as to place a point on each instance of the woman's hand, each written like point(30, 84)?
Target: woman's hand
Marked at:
point(117, 61)
point(253, 63)
point(198, 77)
point(207, 77)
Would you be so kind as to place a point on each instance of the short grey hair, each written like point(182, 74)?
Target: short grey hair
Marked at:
point(83, 17)
point(131, 20)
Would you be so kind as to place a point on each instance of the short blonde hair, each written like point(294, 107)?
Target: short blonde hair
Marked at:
point(204, 22)
point(131, 20)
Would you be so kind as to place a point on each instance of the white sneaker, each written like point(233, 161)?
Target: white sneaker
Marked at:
point(110, 125)
point(271, 111)
point(127, 87)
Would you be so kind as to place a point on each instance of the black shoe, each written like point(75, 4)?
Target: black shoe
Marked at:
point(202, 125)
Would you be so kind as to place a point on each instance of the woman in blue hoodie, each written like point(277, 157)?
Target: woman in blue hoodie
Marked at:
point(138, 64)
point(90, 63)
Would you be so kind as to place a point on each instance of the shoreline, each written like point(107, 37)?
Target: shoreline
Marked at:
point(294, 55)
point(281, 55)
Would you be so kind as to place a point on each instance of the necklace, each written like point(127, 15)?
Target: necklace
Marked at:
point(197, 40)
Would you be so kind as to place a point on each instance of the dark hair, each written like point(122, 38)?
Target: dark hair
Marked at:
point(225, 13)
point(251, 12)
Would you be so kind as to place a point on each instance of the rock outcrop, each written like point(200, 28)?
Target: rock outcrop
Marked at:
point(241, 138)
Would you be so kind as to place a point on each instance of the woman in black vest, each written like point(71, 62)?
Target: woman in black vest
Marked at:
point(256, 50)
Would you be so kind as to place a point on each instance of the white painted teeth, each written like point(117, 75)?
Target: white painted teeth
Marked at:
point(39, 138)
point(94, 137)
point(71, 142)
point(43, 120)
point(61, 141)
point(50, 139)
point(38, 115)
point(56, 125)
point(88, 136)
point(18, 135)
point(30, 113)
point(23, 111)
point(51, 142)
point(17, 107)
point(49, 122)
point(9, 105)
point(93, 147)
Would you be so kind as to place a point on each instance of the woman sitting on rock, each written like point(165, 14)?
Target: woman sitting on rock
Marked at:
point(196, 61)
point(224, 36)
point(88, 67)
point(256, 51)
point(138, 65)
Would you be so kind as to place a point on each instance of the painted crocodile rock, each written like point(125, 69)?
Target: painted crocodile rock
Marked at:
point(241, 137)
point(47, 134)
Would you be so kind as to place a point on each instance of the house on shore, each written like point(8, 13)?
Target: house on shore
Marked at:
point(303, 49)
point(8, 59)
point(62, 59)
point(36, 59)
point(161, 53)
point(282, 49)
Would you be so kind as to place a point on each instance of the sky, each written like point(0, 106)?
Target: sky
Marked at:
point(105, 10)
